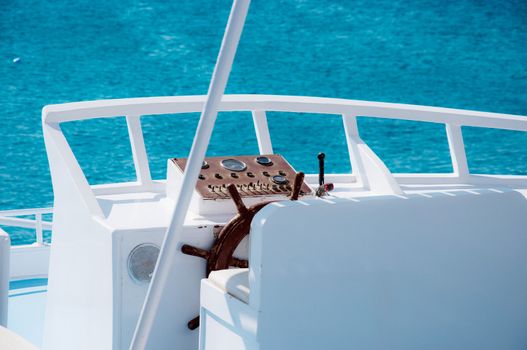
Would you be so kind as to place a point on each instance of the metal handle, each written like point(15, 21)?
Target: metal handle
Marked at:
point(321, 157)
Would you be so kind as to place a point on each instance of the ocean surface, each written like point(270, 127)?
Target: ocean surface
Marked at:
point(461, 54)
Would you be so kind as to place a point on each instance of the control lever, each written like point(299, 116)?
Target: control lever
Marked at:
point(323, 188)
point(321, 157)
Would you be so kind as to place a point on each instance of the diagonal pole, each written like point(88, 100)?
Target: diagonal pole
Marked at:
point(197, 154)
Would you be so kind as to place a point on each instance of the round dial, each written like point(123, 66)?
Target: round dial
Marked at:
point(279, 179)
point(264, 161)
point(233, 164)
point(204, 165)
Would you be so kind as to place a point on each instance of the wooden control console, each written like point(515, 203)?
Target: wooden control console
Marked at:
point(260, 175)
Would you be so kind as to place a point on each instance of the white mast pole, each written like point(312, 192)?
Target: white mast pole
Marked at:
point(217, 85)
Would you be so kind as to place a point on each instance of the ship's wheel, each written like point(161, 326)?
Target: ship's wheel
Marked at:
point(220, 256)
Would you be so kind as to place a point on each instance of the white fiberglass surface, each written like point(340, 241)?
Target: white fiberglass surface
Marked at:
point(27, 305)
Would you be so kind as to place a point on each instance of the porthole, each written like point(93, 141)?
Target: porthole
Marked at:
point(142, 262)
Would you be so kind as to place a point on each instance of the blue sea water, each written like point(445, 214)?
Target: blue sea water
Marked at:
point(461, 54)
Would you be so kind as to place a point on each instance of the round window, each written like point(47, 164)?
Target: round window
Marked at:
point(142, 262)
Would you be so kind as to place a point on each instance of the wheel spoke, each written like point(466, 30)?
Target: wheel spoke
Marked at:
point(194, 251)
point(193, 324)
point(241, 263)
point(235, 195)
point(297, 185)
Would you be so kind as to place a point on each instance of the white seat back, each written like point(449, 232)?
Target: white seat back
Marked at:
point(438, 272)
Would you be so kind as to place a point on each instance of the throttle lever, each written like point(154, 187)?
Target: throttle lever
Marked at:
point(323, 188)
point(321, 157)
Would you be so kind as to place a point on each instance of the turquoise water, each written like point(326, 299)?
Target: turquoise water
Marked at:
point(462, 54)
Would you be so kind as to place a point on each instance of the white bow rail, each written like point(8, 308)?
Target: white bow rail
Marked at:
point(258, 105)
point(18, 218)
point(27, 260)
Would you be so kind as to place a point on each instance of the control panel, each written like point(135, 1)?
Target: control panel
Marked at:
point(254, 176)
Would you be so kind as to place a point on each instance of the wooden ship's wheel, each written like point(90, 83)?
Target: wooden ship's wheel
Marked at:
point(220, 256)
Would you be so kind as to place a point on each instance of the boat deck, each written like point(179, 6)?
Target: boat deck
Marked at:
point(27, 306)
point(146, 206)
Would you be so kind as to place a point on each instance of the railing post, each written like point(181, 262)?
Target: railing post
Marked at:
point(367, 166)
point(38, 229)
point(352, 139)
point(5, 245)
point(262, 132)
point(137, 143)
point(457, 150)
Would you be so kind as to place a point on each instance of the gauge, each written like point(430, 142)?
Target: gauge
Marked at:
point(204, 165)
point(279, 179)
point(233, 164)
point(264, 161)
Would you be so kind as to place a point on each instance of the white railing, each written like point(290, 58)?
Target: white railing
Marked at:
point(28, 260)
point(11, 218)
point(368, 169)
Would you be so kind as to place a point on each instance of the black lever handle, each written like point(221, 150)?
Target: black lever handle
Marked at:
point(321, 157)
